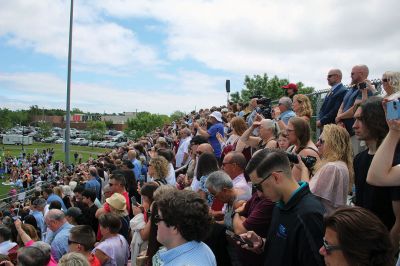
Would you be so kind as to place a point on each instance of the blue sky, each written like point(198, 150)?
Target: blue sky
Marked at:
point(162, 56)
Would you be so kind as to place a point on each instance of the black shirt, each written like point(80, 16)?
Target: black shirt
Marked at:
point(296, 231)
point(376, 199)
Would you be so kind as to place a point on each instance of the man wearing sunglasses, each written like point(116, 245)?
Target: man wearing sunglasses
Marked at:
point(296, 230)
point(333, 99)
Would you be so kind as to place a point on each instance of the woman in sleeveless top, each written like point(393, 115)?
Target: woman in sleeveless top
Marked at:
point(334, 174)
point(158, 170)
point(299, 134)
point(302, 107)
point(268, 133)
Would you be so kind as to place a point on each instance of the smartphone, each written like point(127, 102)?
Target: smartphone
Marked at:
point(362, 85)
point(393, 110)
point(238, 238)
point(134, 201)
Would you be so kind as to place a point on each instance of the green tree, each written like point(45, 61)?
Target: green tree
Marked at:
point(176, 115)
point(262, 85)
point(144, 123)
point(44, 129)
point(20, 117)
point(109, 124)
point(77, 111)
point(235, 97)
point(5, 119)
point(96, 129)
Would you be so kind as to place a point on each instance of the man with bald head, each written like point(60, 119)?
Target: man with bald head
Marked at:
point(59, 232)
point(333, 99)
point(353, 96)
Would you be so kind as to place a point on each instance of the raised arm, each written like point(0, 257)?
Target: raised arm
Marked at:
point(381, 172)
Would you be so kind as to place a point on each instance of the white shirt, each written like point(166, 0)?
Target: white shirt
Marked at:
point(171, 175)
point(5, 246)
point(183, 148)
point(242, 188)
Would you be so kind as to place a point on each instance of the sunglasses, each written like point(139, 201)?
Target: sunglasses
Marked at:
point(73, 242)
point(258, 186)
point(385, 80)
point(330, 248)
point(157, 219)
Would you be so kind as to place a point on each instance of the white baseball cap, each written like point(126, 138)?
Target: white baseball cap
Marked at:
point(217, 115)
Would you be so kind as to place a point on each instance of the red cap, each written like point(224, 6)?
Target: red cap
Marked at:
point(290, 86)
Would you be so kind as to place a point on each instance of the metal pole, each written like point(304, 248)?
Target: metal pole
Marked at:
point(68, 118)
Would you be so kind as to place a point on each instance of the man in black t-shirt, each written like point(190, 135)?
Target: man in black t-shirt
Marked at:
point(370, 125)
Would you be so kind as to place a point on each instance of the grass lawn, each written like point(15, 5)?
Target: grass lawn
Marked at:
point(59, 154)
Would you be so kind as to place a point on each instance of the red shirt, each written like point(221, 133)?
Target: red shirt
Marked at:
point(93, 260)
point(128, 203)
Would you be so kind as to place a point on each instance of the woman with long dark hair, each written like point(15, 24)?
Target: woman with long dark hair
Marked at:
point(207, 164)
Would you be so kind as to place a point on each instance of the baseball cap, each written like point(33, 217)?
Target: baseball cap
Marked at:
point(217, 115)
point(290, 86)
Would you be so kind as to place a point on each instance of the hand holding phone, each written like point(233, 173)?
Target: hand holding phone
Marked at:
point(239, 239)
point(393, 110)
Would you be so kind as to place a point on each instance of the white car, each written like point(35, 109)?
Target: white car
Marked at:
point(60, 141)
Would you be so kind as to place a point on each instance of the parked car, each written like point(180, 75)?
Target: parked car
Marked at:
point(49, 139)
point(60, 141)
point(83, 142)
point(76, 141)
point(93, 143)
point(102, 144)
point(122, 144)
point(111, 145)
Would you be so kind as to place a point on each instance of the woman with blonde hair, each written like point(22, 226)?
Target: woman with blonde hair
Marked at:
point(302, 107)
point(391, 82)
point(334, 173)
point(158, 170)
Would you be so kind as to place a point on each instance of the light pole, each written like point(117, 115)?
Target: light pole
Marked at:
point(228, 90)
point(68, 117)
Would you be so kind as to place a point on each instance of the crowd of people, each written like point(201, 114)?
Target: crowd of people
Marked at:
point(225, 186)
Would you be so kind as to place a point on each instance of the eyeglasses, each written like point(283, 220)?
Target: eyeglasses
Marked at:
point(330, 248)
point(385, 80)
point(73, 242)
point(321, 141)
point(258, 185)
point(225, 163)
point(157, 219)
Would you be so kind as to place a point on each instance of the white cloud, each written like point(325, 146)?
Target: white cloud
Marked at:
point(299, 39)
point(44, 25)
point(47, 90)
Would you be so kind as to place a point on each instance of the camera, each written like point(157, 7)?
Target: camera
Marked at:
point(309, 161)
point(362, 85)
point(266, 108)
